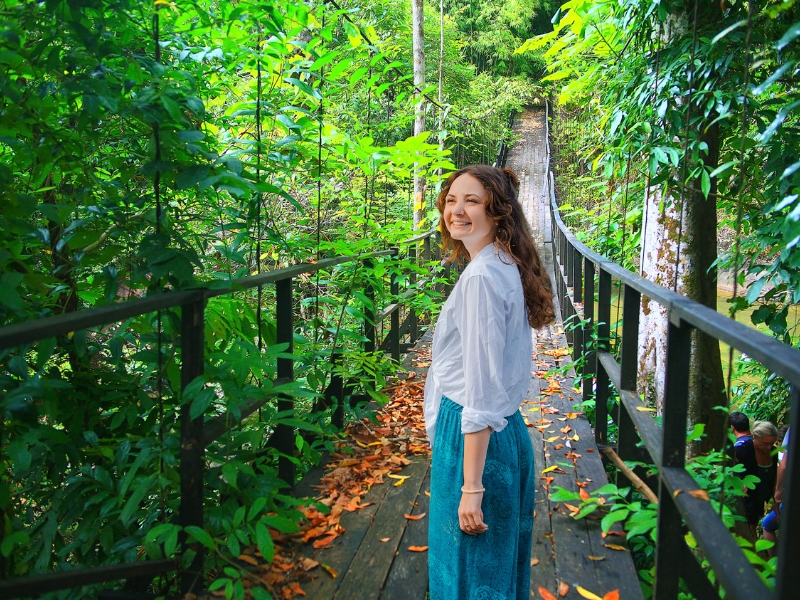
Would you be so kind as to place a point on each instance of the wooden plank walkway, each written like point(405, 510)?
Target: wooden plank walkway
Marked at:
point(369, 568)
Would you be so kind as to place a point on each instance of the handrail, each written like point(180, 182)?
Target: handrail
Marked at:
point(665, 446)
point(35, 330)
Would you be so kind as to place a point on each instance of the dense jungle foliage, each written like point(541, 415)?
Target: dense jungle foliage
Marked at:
point(697, 105)
point(154, 147)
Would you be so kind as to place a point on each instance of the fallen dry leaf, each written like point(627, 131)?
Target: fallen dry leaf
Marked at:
point(384, 540)
point(587, 594)
point(248, 559)
point(534, 562)
point(593, 557)
point(418, 548)
point(330, 570)
point(700, 494)
point(295, 587)
point(616, 547)
point(322, 542)
point(613, 595)
point(545, 594)
point(552, 439)
point(415, 517)
point(584, 494)
point(563, 588)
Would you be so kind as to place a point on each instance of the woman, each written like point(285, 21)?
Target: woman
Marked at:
point(482, 472)
point(756, 456)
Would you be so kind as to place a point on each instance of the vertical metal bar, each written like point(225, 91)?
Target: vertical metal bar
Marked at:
point(603, 333)
point(630, 337)
point(676, 394)
point(627, 437)
point(284, 435)
point(192, 443)
point(577, 275)
point(590, 365)
point(788, 556)
point(394, 333)
point(426, 249)
point(569, 256)
point(369, 313)
point(412, 279)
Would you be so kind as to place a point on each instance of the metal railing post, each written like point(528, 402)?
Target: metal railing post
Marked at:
point(369, 313)
point(603, 334)
point(590, 364)
point(626, 434)
point(412, 279)
point(670, 544)
point(192, 442)
point(394, 333)
point(284, 435)
point(788, 557)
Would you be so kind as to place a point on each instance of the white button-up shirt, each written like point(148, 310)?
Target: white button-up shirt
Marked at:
point(482, 346)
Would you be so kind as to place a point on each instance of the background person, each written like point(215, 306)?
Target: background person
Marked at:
point(756, 456)
point(482, 469)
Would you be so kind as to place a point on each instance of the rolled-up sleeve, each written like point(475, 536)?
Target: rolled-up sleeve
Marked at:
point(482, 325)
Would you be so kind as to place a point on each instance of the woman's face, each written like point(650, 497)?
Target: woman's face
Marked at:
point(465, 213)
point(765, 443)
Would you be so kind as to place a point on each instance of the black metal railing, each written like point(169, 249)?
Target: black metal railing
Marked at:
point(196, 434)
point(580, 274)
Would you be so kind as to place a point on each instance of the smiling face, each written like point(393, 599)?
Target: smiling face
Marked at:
point(465, 214)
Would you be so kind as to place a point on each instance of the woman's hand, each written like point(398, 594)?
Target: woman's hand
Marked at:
point(470, 515)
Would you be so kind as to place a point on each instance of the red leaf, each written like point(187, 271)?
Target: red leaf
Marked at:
point(545, 594)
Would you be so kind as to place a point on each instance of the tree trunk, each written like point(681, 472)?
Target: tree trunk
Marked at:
point(696, 279)
point(418, 19)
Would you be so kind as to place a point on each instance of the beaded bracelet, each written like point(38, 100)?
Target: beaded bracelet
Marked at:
point(472, 491)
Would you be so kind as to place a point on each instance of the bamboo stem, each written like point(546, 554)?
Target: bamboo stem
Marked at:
point(637, 482)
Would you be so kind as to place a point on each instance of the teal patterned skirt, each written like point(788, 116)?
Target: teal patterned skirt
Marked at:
point(494, 565)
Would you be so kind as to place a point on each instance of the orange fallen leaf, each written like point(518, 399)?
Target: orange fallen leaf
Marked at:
point(384, 540)
point(322, 542)
point(534, 562)
point(545, 594)
point(418, 548)
point(675, 493)
point(330, 570)
point(248, 559)
point(592, 557)
point(558, 446)
point(613, 595)
point(584, 494)
point(415, 517)
point(700, 494)
point(571, 508)
point(616, 547)
point(587, 594)
point(308, 563)
point(295, 587)
point(563, 588)
point(427, 493)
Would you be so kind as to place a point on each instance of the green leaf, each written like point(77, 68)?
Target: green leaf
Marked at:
point(282, 524)
point(755, 290)
point(788, 37)
point(728, 30)
point(134, 502)
point(256, 507)
point(18, 538)
point(303, 87)
point(705, 183)
point(358, 74)
point(613, 517)
point(198, 534)
point(264, 542)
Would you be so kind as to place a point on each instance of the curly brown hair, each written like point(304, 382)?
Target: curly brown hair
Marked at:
point(512, 234)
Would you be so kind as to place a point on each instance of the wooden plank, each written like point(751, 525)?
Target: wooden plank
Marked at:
point(339, 554)
point(374, 558)
point(408, 576)
point(543, 567)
